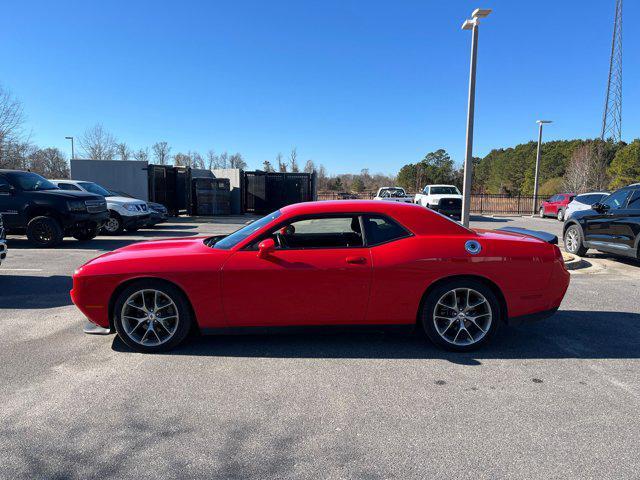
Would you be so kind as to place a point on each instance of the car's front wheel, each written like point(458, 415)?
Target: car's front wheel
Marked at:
point(152, 316)
point(461, 315)
point(114, 225)
point(44, 231)
point(560, 214)
point(541, 212)
point(573, 241)
point(87, 232)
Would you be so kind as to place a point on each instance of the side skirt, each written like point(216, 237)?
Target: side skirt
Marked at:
point(318, 329)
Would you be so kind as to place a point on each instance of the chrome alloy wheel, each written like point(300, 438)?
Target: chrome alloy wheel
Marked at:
point(462, 316)
point(149, 317)
point(112, 225)
point(572, 242)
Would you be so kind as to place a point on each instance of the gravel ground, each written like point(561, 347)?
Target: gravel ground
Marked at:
point(555, 399)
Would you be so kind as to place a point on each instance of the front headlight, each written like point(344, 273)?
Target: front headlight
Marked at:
point(131, 207)
point(76, 206)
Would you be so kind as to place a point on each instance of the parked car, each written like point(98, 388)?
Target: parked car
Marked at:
point(158, 213)
point(327, 264)
point(611, 226)
point(33, 205)
point(556, 205)
point(584, 202)
point(124, 213)
point(393, 194)
point(3, 242)
point(445, 199)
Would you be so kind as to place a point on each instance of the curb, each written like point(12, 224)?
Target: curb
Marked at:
point(573, 262)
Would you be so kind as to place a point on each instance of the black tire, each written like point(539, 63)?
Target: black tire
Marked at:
point(88, 232)
point(44, 232)
point(114, 225)
point(490, 305)
point(184, 318)
point(560, 215)
point(541, 212)
point(573, 241)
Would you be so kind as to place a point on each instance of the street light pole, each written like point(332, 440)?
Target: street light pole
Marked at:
point(468, 156)
point(538, 154)
point(73, 153)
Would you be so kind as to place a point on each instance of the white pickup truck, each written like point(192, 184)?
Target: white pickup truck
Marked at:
point(393, 194)
point(445, 199)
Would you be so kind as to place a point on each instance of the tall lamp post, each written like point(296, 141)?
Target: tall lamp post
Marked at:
point(73, 153)
point(472, 25)
point(535, 182)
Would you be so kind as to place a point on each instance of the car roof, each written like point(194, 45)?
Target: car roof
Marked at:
point(417, 218)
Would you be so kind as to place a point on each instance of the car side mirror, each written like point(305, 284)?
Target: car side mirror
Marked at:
point(266, 248)
point(600, 207)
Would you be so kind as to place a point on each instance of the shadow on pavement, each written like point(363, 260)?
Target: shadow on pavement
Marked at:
point(105, 243)
point(569, 334)
point(26, 291)
point(608, 256)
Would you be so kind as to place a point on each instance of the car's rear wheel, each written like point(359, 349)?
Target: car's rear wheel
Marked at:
point(560, 214)
point(573, 241)
point(152, 316)
point(541, 212)
point(44, 231)
point(461, 315)
point(113, 225)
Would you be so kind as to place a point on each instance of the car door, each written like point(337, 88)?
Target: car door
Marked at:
point(548, 205)
point(11, 205)
point(319, 274)
point(602, 231)
point(625, 225)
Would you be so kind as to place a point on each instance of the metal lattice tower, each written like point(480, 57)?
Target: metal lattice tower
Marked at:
point(612, 116)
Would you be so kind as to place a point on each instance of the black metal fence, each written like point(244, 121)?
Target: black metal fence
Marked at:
point(264, 192)
point(484, 203)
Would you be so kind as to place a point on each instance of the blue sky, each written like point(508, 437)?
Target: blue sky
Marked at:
point(351, 84)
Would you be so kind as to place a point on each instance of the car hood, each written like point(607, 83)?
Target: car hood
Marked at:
point(71, 195)
point(123, 200)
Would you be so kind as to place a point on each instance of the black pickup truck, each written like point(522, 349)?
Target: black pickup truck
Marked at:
point(33, 205)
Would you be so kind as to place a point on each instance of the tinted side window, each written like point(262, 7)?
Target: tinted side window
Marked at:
point(634, 201)
point(67, 186)
point(4, 183)
point(617, 199)
point(381, 230)
point(323, 232)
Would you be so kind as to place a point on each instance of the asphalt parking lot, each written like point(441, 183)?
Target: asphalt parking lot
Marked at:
point(555, 399)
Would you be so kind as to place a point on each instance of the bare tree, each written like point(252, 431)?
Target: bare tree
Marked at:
point(15, 154)
point(309, 167)
point(161, 153)
point(98, 144)
point(236, 161)
point(322, 178)
point(142, 155)
point(293, 160)
point(11, 117)
point(212, 160)
point(586, 170)
point(49, 162)
point(123, 151)
point(182, 160)
point(267, 167)
point(282, 167)
point(223, 160)
point(197, 160)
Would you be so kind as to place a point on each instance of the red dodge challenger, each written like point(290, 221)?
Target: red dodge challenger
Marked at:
point(331, 264)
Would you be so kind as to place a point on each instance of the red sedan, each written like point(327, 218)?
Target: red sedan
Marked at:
point(342, 263)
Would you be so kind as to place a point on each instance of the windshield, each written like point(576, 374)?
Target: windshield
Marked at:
point(116, 193)
point(95, 188)
point(444, 191)
point(30, 182)
point(392, 192)
point(239, 235)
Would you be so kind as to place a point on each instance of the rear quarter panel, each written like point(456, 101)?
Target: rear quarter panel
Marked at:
point(404, 270)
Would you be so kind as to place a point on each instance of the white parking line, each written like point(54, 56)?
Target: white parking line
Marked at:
point(22, 269)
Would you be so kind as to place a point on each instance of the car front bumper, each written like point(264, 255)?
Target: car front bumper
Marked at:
point(137, 221)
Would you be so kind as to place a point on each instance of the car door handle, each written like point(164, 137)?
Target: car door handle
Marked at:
point(356, 260)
